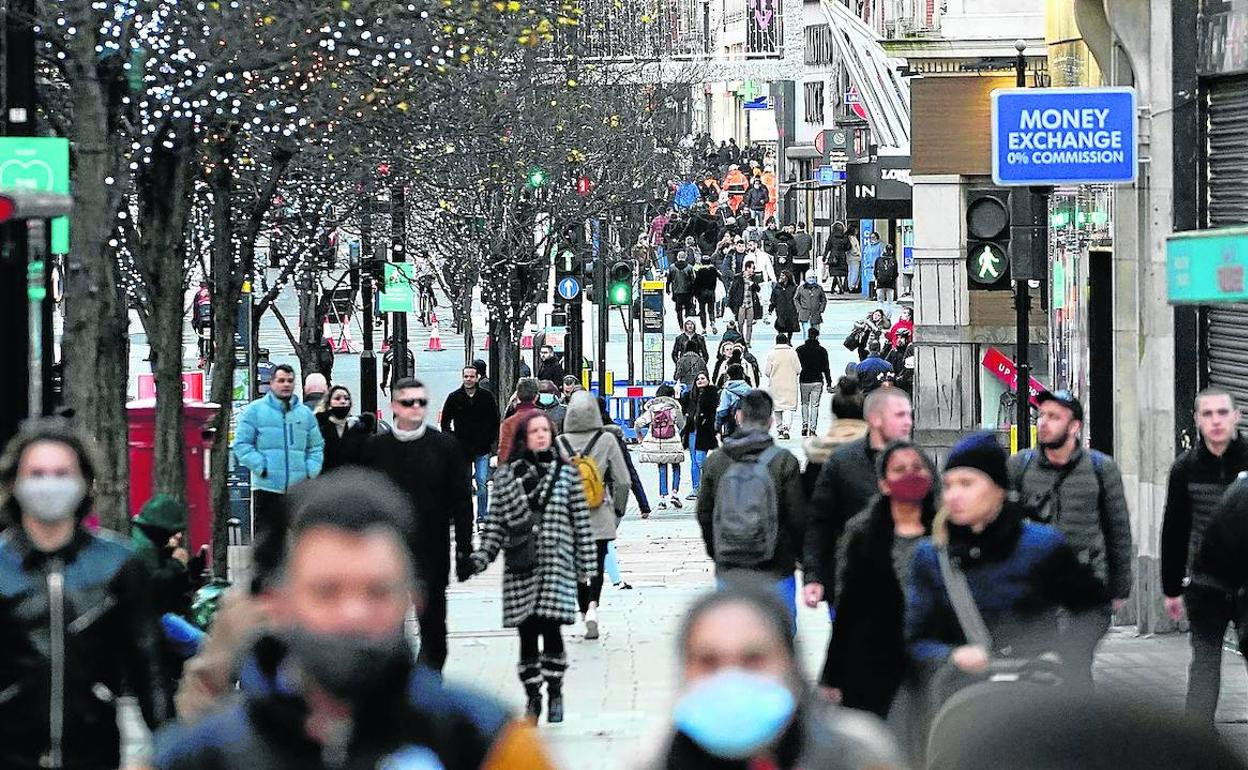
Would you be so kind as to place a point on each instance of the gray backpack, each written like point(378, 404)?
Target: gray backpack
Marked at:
point(747, 513)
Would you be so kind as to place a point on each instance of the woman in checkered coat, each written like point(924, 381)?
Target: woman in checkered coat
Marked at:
point(538, 518)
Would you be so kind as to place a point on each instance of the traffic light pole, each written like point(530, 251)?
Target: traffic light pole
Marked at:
point(604, 309)
point(398, 249)
point(368, 360)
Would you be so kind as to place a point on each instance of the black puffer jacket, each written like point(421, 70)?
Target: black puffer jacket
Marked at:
point(84, 611)
point(1197, 480)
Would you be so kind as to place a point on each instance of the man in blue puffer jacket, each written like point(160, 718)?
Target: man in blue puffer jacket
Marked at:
point(279, 441)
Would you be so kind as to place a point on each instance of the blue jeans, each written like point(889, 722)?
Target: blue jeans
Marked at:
point(697, 456)
point(868, 275)
point(663, 467)
point(661, 254)
point(481, 475)
point(786, 589)
point(854, 269)
point(612, 564)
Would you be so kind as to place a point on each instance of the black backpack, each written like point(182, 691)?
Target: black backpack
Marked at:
point(886, 268)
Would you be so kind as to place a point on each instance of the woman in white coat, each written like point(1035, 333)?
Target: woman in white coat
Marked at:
point(783, 369)
point(662, 446)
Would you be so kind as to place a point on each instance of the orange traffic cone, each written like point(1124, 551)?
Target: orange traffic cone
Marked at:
point(435, 336)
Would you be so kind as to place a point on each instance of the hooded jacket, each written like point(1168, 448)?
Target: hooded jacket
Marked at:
point(680, 279)
point(790, 503)
point(662, 450)
point(280, 442)
point(582, 423)
point(422, 716)
point(728, 398)
point(688, 367)
point(84, 610)
point(160, 519)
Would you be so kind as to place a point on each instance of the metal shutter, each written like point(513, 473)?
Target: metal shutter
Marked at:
point(1226, 326)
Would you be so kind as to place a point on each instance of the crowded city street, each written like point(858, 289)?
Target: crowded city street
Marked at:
point(623, 385)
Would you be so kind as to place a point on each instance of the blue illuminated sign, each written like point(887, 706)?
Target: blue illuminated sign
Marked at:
point(1063, 136)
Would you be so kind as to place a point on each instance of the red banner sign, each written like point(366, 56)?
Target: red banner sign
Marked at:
point(192, 386)
point(1004, 369)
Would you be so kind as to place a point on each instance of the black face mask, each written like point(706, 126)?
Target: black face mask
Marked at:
point(355, 669)
point(340, 411)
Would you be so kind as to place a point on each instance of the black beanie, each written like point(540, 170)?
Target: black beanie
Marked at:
point(981, 452)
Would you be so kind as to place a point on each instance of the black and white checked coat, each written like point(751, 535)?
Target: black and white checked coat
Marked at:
point(565, 547)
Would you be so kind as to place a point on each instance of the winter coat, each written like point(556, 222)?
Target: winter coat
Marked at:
point(344, 448)
point(756, 197)
point(811, 302)
point(736, 295)
point(782, 372)
point(782, 302)
point(705, 282)
point(689, 343)
point(434, 473)
point(1088, 507)
point(700, 406)
point(280, 442)
point(728, 398)
point(104, 643)
point(846, 482)
point(866, 657)
point(1019, 572)
point(473, 420)
point(688, 368)
point(680, 279)
point(790, 503)
point(565, 542)
point(764, 268)
point(886, 271)
point(720, 375)
point(1198, 479)
point(837, 255)
point(551, 369)
point(507, 430)
point(803, 244)
point(814, 360)
point(582, 424)
point(160, 519)
point(421, 722)
point(1220, 560)
point(901, 358)
point(670, 451)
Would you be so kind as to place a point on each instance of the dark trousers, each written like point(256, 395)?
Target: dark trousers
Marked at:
point(593, 592)
point(271, 523)
point(1209, 611)
point(1084, 632)
point(432, 622)
point(549, 664)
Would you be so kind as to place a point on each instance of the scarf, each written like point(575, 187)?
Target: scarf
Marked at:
point(994, 543)
point(531, 469)
point(409, 435)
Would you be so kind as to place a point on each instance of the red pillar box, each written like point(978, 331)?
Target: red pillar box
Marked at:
point(197, 440)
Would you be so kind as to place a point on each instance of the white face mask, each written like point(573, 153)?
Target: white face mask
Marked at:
point(50, 498)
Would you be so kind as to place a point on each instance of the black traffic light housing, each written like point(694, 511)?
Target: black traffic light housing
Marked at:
point(988, 237)
point(1029, 234)
point(620, 284)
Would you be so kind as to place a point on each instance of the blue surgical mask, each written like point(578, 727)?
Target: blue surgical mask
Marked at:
point(735, 714)
point(547, 399)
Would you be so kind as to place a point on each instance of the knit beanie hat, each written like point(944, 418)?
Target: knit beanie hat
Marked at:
point(981, 452)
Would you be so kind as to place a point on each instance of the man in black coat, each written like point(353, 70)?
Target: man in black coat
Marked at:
point(431, 468)
point(470, 414)
point(551, 367)
point(1190, 549)
point(689, 341)
point(846, 482)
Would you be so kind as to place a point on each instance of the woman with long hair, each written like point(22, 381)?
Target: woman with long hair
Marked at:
point(539, 519)
point(344, 434)
point(699, 403)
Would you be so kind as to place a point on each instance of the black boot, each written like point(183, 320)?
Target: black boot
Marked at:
point(553, 668)
point(531, 677)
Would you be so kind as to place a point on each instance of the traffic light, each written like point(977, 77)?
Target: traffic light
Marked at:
point(584, 186)
point(535, 178)
point(8, 207)
point(620, 287)
point(988, 238)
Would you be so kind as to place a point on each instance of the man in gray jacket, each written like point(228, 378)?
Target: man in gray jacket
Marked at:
point(1079, 492)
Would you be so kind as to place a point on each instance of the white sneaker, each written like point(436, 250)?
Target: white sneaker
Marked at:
point(662, 506)
point(591, 621)
point(676, 500)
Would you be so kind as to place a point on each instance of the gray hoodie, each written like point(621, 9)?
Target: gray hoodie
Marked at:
point(581, 424)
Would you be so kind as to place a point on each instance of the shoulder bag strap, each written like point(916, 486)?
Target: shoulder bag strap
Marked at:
point(590, 446)
point(959, 591)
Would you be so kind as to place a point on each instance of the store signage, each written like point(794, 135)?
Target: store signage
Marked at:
point(1063, 136)
point(192, 386)
point(829, 175)
point(880, 189)
point(1004, 369)
point(1207, 266)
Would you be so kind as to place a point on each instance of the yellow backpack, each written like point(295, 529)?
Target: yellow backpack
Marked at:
point(592, 480)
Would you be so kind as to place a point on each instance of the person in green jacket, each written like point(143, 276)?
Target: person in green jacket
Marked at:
point(159, 538)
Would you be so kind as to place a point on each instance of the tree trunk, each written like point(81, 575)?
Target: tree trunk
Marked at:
point(227, 285)
point(95, 344)
point(507, 338)
point(162, 187)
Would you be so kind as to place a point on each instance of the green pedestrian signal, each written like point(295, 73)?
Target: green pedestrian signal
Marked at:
point(620, 287)
point(988, 238)
point(535, 178)
point(987, 263)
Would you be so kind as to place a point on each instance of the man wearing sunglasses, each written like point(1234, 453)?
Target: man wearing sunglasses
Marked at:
point(430, 467)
